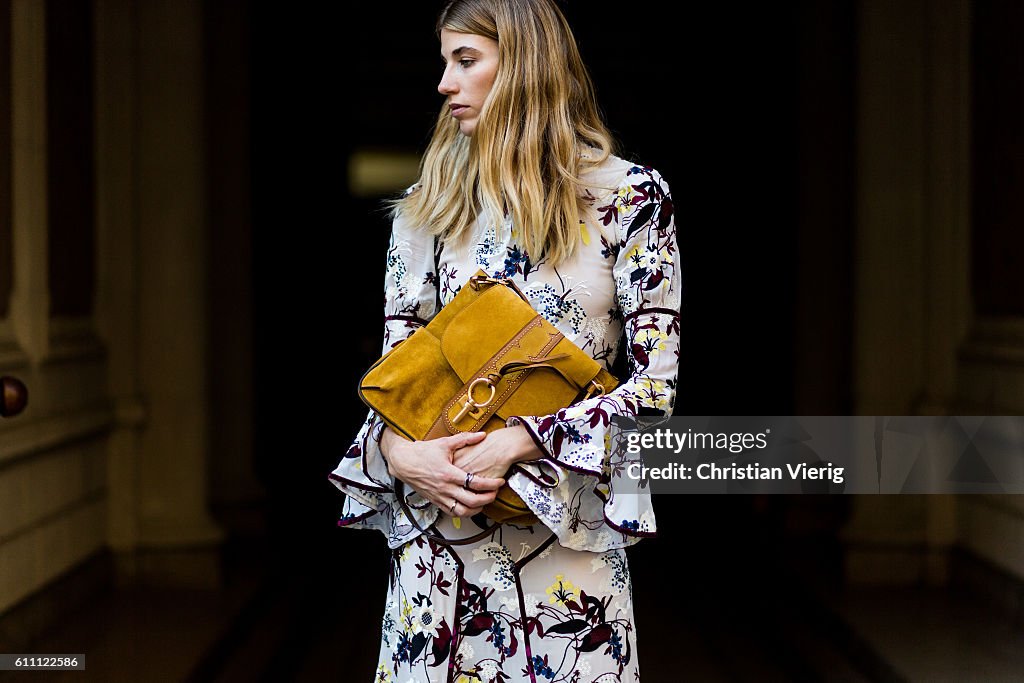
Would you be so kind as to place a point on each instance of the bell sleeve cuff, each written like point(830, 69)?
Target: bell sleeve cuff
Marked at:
point(410, 295)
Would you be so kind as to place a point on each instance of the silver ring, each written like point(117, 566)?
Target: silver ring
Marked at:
point(452, 508)
point(469, 480)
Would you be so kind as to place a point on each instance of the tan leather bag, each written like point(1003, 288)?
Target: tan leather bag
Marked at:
point(485, 356)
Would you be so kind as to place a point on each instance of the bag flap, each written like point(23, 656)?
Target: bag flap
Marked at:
point(410, 376)
point(480, 330)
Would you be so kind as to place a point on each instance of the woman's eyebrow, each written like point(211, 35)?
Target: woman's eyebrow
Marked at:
point(459, 50)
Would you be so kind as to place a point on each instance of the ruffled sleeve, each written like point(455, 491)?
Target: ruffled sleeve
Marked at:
point(573, 488)
point(410, 295)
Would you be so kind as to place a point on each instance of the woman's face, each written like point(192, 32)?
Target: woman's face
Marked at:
point(470, 65)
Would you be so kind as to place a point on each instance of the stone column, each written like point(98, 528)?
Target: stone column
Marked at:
point(991, 362)
point(912, 304)
point(172, 270)
point(117, 288)
point(30, 296)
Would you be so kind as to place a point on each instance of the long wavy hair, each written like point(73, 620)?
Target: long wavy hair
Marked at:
point(525, 157)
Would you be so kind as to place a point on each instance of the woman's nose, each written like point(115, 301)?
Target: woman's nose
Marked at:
point(447, 84)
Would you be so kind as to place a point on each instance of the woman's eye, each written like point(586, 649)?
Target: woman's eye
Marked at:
point(466, 62)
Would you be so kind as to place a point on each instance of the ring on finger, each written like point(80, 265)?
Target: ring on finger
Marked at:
point(452, 508)
point(469, 480)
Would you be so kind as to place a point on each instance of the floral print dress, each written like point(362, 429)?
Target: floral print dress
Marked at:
point(552, 601)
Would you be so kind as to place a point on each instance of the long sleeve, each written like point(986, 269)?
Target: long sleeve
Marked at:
point(572, 489)
point(409, 303)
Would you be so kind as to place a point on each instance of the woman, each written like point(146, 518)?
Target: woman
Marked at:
point(519, 179)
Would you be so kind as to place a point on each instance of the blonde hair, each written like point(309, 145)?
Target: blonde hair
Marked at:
point(525, 157)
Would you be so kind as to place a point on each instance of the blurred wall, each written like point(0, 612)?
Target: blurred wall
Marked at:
point(125, 287)
point(990, 363)
point(938, 329)
point(53, 458)
point(910, 259)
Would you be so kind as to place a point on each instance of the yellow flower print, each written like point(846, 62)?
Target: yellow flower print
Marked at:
point(560, 591)
point(404, 554)
point(651, 392)
point(583, 233)
point(625, 197)
point(383, 675)
point(658, 260)
point(635, 255)
point(406, 612)
point(651, 340)
point(574, 412)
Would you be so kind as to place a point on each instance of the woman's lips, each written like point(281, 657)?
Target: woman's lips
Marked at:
point(458, 110)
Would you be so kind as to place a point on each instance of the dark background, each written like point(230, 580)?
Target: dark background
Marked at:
point(735, 107)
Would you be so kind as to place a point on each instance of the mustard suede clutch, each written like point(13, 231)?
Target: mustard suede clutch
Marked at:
point(486, 356)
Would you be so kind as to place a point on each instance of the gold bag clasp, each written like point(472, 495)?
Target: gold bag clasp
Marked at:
point(470, 405)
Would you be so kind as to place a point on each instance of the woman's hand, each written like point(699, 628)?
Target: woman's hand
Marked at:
point(427, 467)
point(491, 457)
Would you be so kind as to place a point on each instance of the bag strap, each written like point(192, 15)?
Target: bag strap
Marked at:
point(436, 538)
point(478, 281)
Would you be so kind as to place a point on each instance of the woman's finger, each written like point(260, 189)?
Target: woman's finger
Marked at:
point(461, 510)
point(474, 500)
point(457, 441)
point(481, 483)
point(454, 475)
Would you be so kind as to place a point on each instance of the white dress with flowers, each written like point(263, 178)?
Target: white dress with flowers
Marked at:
point(551, 602)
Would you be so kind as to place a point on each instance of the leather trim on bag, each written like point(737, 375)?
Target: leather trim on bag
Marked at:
point(493, 364)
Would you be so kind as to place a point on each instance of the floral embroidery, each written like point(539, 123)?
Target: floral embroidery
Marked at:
point(485, 250)
point(488, 670)
point(425, 620)
point(557, 305)
point(499, 575)
point(504, 608)
point(560, 591)
point(617, 580)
